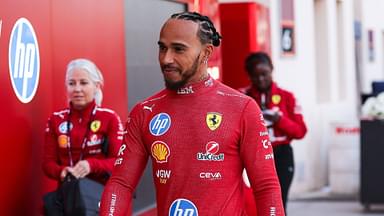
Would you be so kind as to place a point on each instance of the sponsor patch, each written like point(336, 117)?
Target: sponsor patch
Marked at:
point(210, 175)
point(63, 127)
point(121, 150)
point(185, 90)
point(95, 126)
point(63, 141)
point(163, 175)
point(160, 151)
point(269, 156)
point(213, 120)
point(160, 124)
point(183, 207)
point(276, 99)
point(210, 154)
point(266, 143)
point(119, 160)
point(94, 140)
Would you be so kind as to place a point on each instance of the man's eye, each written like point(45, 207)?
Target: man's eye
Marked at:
point(179, 49)
point(162, 48)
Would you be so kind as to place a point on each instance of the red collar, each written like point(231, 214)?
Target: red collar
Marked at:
point(196, 88)
point(84, 113)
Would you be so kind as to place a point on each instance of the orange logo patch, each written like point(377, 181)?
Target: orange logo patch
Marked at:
point(63, 141)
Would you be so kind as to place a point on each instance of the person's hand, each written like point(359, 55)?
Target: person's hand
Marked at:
point(64, 173)
point(81, 169)
point(271, 115)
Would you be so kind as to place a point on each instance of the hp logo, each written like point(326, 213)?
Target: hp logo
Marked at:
point(183, 207)
point(160, 124)
point(24, 60)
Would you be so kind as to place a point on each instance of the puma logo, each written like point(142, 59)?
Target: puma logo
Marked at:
point(148, 107)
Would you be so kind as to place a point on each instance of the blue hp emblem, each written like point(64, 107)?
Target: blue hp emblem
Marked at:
point(183, 207)
point(24, 60)
point(160, 124)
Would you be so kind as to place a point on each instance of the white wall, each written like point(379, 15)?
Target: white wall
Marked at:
point(322, 76)
point(323, 81)
point(372, 19)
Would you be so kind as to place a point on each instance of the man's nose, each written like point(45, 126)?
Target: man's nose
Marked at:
point(167, 57)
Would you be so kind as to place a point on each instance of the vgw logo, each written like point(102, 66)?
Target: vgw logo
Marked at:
point(24, 60)
point(183, 207)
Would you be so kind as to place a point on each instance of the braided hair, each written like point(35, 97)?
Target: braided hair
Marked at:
point(207, 31)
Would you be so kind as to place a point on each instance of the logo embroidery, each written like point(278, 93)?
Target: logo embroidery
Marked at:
point(183, 207)
point(63, 141)
point(276, 99)
point(163, 175)
point(160, 151)
point(63, 127)
point(211, 148)
point(160, 124)
point(213, 120)
point(95, 126)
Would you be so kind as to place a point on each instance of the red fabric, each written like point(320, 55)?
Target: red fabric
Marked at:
point(250, 205)
point(55, 147)
point(200, 164)
point(291, 124)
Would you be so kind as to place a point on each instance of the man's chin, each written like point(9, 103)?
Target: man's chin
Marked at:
point(174, 85)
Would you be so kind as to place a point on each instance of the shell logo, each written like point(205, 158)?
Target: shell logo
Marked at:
point(63, 141)
point(160, 151)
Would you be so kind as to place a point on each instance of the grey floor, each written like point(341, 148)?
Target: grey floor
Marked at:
point(331, 208)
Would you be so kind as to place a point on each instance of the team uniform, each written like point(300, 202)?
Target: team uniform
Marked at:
point(199, 139)
point(290, 126)
point(95, 134)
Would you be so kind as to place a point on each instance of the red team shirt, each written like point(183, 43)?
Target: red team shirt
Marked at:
point(98, 125)
point(291, 124)
point(199, 139)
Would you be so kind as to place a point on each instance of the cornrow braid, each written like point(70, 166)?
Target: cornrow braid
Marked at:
point(207, 31)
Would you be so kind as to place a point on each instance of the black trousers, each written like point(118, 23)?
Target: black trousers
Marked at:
point(284, 162)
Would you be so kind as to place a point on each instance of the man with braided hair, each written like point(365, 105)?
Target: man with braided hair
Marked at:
point(199, 134)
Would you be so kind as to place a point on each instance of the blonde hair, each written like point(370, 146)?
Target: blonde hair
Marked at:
point(93, 72)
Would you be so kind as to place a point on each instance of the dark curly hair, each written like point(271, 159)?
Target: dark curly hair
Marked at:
point(207, 31)
point(256, 58)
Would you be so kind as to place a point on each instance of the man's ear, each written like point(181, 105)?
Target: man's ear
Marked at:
point(207, 52)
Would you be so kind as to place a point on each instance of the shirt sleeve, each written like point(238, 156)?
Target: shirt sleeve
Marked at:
point(114, 137)
point(257, 156)
point(129, 166)
point(50, 164)
point(292, 124)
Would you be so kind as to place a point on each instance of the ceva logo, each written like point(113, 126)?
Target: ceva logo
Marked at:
point(24, 60)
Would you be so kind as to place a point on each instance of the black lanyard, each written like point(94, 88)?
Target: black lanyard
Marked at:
point(84, 144)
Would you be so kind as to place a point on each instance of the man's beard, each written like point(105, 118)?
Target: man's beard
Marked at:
point(185, 77)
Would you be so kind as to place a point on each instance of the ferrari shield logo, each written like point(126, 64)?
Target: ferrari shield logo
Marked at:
point(213, 120)
point(95, 125)
point(276, 99)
